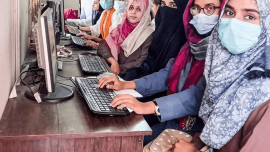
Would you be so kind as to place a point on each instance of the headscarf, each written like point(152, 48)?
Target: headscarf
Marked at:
point(196, 67)
point(230, 95)
point(96, 15)
point(168, 39)
point(129, 36)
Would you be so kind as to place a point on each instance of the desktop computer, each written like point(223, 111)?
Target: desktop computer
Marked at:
point(47, 59)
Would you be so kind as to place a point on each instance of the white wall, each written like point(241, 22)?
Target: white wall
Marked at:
point(73, 4)
point(7, 55)
point(24, 4)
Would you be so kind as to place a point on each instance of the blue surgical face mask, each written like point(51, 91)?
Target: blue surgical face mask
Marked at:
point(120, 6)
point(106, 4)
point(238, 36)
point(204, 23)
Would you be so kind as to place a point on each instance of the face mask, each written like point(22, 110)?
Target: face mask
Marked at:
point(238, 36)
point(106, 4)
point(120, 6)
point(204, 23)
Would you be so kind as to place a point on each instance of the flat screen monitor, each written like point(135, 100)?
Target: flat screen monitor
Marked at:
point(47, 57)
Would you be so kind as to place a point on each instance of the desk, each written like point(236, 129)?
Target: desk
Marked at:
point(67, 126)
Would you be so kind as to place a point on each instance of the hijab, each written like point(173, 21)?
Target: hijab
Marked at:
point(96, 15)
point(169, 37)
point(188, 62)
point(129, 36)
point(231, 94)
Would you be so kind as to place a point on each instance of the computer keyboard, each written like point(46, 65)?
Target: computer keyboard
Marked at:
point(78, 41)
point(97, 99)
point(74, 31)
point(92, 64)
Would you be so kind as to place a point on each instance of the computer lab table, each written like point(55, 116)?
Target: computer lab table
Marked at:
point(67, 126)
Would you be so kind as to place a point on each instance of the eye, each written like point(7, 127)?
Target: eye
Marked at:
point(131, 8)
point(162, 4)
point(249, 17)
point(138, 9)
point(229, 13)
point(173, 5)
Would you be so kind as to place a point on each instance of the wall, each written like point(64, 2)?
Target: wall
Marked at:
point(7, 54)
point(24, 4)
point(73, 4)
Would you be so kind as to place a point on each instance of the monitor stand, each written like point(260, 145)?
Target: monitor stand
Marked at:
point(60, 93)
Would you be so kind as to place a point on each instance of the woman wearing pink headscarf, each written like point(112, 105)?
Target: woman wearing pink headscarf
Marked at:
point(127, 45)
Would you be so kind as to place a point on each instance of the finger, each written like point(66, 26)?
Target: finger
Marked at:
point(115, 101)
point(121, 101)
point(101, 80)
point(80, 34)
point(125, 105)
point(106, 80)
point(112, 87)
point(103, 83)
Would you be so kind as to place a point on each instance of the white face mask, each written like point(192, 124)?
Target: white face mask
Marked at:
point(120, 6)
point(204, 23)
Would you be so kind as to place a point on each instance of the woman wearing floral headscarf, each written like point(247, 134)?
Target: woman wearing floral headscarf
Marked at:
point(237, 74)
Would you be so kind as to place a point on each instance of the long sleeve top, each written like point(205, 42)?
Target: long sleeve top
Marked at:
point(178, 105)
point(133, 60)
point(116, 20)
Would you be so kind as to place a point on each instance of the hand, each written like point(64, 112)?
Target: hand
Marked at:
point(115, 68)
point(112, 83)
point(91, 43)
point(85, 36)
point(129, 101)
point(183, 146)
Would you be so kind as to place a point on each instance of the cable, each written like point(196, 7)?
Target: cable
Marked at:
point(66, 85)
point(24, 83)
point(63, 76)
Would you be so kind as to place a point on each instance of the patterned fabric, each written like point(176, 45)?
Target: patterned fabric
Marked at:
point(165, 141)
point(229, 96)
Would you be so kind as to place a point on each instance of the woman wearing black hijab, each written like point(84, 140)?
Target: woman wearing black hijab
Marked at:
point(169, 37)
point(97, 10)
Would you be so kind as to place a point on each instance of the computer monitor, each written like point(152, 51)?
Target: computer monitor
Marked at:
point(62, 16)
point(47, 58)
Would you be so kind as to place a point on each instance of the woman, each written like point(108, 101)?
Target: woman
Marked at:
point(97, 10)
point(109, 21)
point(155, 6)
point(178, 75)
point(127, 45)
point(168, 39)
point(237, 79)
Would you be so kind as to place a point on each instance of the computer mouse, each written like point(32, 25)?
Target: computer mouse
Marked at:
point(106, 74)
point(88, 53)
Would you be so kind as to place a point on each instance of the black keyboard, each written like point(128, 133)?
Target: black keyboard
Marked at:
point(71, 24)
point(78, 41)
point(92, 64)
point(97, 99)
point(73, 31)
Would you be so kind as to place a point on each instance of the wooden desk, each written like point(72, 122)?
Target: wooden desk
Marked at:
point(68, 126)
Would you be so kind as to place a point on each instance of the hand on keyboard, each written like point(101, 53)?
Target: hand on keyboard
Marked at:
point(128, 101)
point(111, 82)
point(84, 36)
point(91, 43)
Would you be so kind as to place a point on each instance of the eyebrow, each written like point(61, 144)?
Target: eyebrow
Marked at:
point(206, 4)
point(229, 6)
point(252, 10)
point(247, 10)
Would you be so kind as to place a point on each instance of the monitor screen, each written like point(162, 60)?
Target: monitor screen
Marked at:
point(46, 48)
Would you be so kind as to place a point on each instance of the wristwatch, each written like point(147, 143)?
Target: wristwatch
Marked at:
point(156, 108)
